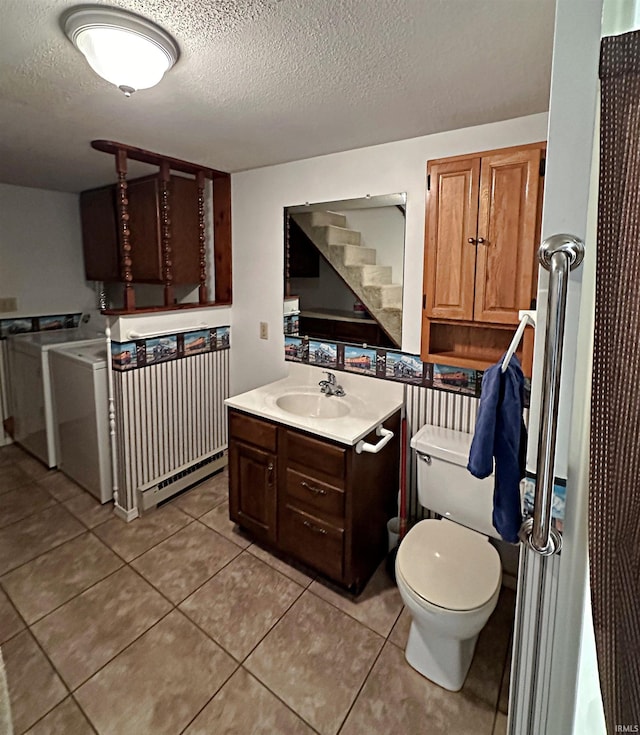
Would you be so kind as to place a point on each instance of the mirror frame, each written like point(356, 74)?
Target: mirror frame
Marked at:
point(367, 202)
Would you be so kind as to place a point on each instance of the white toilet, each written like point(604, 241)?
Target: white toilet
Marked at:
point(448, 573)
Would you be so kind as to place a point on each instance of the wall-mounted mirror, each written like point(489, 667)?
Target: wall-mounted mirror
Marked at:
point(344, 265)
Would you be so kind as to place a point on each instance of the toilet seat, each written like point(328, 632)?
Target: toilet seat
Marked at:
point(449, 566)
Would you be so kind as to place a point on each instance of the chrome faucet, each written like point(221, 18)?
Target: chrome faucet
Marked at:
point(329, 386)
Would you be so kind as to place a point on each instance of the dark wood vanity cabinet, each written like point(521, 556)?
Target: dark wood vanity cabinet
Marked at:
point(101, 241)
point(253, 476)
point(314, 499)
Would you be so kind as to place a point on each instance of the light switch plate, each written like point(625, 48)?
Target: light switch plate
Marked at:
point(8, 303)
point(264, 330)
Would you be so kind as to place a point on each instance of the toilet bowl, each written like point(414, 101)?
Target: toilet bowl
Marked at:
point(449, 578)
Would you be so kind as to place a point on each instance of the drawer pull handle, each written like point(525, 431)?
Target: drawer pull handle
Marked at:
point(314, 528)
point(312, 489)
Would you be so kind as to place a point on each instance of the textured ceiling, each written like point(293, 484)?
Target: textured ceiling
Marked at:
point(267, 81)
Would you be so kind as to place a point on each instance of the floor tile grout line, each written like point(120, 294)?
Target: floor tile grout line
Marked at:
point(86, 716)
point(118, 653)
point(30, 513)
point(157, 543)
point(173, 608)
point(273, 627)
point(211, 698)
point(57, 673)
point(362, 686)
point(75, 597)
point(55, 546)
point(46, 714)
point(180, 602)
point(166, 538)
point(279, 698)
point(377, 632)
point(268, 688)
point(195, 518)
point(304, 569)
point(93, 584)
point(217, 642)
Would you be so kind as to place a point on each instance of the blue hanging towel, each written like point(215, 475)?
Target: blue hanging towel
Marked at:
point(501, 434)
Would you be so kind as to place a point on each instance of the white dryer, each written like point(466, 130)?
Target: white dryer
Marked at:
point(34, 425)
point(79, 381)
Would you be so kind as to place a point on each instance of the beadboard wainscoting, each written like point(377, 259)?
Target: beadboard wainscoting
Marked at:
point(5, 397)
point(171, 427)
point(438, 408)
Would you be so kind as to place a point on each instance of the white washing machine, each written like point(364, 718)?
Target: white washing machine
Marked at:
point(34, 424)
point(80, 397)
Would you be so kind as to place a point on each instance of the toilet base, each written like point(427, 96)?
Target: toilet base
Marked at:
point(444, 661)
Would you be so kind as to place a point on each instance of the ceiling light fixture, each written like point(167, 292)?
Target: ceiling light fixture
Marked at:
point(121, 47)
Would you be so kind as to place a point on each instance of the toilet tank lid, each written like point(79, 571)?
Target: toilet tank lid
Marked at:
point(446, 444)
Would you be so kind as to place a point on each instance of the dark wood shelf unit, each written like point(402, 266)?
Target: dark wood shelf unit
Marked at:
point(152, 229)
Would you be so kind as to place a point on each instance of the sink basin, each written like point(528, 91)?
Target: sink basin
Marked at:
point(311, 405)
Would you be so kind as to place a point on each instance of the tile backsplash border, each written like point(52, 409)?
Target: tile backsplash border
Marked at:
point(139, 353)
point(40, 323)
point(386, 364)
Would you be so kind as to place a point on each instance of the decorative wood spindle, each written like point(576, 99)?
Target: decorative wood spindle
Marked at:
point(123, 226)
point(112, 420)
point(165, 232)
point(221, 225)
point(222, 238)
point(203, 291)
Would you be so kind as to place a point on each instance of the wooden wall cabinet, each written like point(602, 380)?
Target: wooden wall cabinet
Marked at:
point(316, 500)
point(100, 235)
point(482, 230)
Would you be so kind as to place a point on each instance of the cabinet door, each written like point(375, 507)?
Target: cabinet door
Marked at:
point(185, 243)
point(144, 228)
point(507, 222)
point(100, 234)
point(450, 257)
point(252, 496)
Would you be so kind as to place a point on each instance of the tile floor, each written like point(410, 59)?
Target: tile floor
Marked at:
point(177, 623)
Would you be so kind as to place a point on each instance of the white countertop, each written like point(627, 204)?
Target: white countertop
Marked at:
point(370, 400)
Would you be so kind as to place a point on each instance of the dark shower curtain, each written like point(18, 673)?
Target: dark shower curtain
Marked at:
point(614, 493)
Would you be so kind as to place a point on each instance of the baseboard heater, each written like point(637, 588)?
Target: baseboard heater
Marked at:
point(163, 488)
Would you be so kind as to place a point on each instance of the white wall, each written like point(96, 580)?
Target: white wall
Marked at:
point(258, 199)
point(41, 260)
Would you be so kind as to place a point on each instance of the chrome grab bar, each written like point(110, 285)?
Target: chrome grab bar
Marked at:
point(558, 254)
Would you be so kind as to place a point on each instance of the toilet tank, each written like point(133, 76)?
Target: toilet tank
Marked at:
point(445, 486)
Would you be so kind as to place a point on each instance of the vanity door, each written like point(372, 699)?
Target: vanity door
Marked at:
point(253, 476)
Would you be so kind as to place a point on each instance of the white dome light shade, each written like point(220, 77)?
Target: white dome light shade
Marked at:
point(121, 47)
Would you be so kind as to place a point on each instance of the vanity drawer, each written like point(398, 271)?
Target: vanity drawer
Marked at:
point(320, 496)
point(313, 541)
point(313, 454)
point(253, 431)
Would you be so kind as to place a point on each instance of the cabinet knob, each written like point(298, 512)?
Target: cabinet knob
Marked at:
point(270, 475)
point(471, 240)
point(480, 240)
